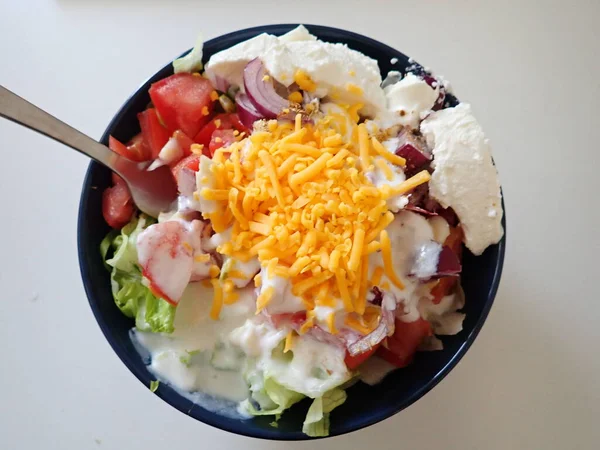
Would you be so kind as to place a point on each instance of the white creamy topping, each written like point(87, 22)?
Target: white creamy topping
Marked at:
point(409, 99)
point(332, 66)
point(311, 368)
point(198, 355)
point(465, 177)
point(247, 269)
point(427, 259)
point(407, 233)
point(283, 301)
point(379, 179)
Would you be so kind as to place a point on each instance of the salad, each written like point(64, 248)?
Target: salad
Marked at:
point(319, 229)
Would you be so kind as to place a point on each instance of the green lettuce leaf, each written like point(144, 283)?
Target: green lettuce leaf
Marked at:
point(192, 62)
point(316, 423)
point(273, 399)
point(132, 297)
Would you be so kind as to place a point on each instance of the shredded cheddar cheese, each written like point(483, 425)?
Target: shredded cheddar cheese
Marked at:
point(296, 196)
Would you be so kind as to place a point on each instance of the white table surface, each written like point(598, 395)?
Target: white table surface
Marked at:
point(530, 381)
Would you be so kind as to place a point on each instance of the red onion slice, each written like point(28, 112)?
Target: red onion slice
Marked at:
point(221, 84)
point(261, 92)
point(247, 113)
point(383, 330)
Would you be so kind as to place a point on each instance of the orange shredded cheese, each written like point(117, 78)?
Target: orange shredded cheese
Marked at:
point(217, 303)
point(300, 202)
point(304, 81)
point(388, 266)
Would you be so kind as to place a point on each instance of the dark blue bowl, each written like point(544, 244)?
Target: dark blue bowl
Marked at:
point(366, 405)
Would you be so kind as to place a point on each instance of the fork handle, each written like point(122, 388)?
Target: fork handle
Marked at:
point(19, 110)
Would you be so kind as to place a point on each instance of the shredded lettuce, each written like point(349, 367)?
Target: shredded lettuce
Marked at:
point(154, 385)
point(132, 297)
point(192, 62)
point(273, 399)
point(316, 423)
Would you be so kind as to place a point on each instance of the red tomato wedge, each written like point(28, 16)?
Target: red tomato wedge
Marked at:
point(184, 141)
point(352, 362)
point(444, 285)
point(154, 134)
point(220, 138)
point(220, 122)
point(183, 102)
point(135, 150)
point(191, 162)
point(402, 345)
point(117, 205)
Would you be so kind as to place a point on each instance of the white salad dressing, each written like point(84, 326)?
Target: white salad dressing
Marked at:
point(283, 300)
point(311, 367)
point(408, 231)
point(199, 356)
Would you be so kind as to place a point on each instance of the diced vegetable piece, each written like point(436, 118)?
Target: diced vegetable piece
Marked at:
point(445, 285)
point(352, 362)
point(221, 138)
point(135, 150)
point(219, 122)
point(185, 142)
point(400, 348)
point(117, 205)
point(191, 162)
point(183, 102)
point(154, 134)
point(413, 149)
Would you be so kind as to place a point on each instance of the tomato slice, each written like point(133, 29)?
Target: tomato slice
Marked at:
point(154, 134)
point(135, 150)
point(352, 362)
point(220, 122)
point(402, 345)
point(191, 162)
point(185, 142)
point(117, 205)
point(220, 138)
point(183, 102)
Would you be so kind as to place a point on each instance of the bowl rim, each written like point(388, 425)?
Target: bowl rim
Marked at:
point(105, 327)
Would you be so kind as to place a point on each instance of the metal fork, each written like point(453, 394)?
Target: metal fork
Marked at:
point(152, 191)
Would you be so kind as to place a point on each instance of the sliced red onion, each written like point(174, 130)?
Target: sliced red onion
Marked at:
point(383, 330)
point(221, 84)
point(414, 150)
point(186, 182)
point(433, 261)
point(247, 113)
point(261, 92)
